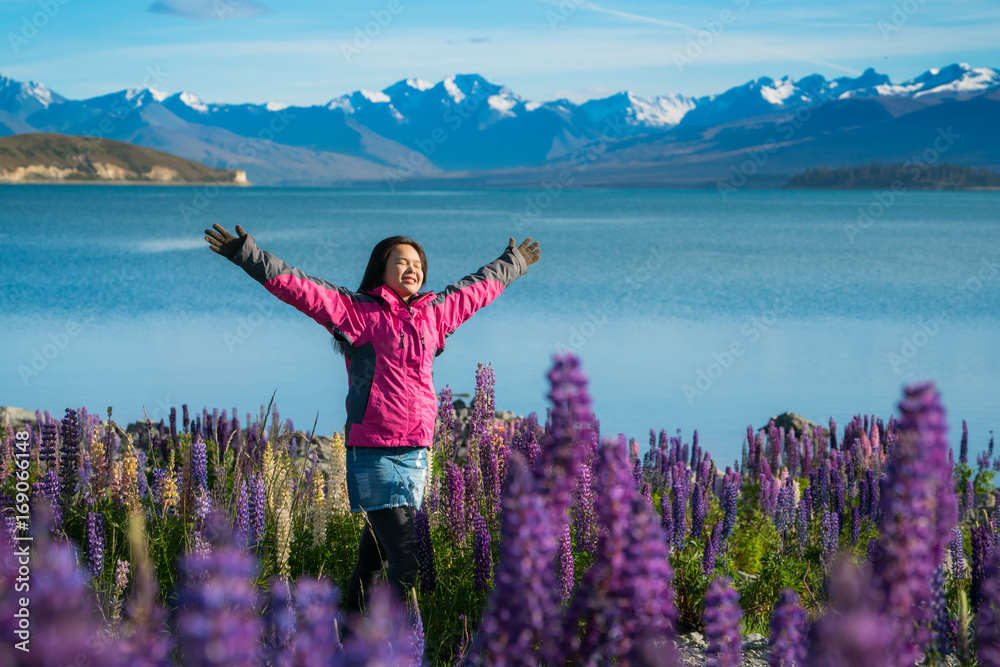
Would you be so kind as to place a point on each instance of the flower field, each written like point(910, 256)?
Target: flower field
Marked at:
point(214, 541)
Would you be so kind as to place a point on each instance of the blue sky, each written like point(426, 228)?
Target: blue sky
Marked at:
point(305, 51)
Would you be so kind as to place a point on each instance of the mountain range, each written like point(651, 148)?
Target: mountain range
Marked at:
point(467, 130)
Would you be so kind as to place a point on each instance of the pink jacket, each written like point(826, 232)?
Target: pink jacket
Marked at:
point(391, 401)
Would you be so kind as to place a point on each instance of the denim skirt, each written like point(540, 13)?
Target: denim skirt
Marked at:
point(381, 477)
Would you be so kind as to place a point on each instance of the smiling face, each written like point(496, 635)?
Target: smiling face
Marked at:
point(404, 273)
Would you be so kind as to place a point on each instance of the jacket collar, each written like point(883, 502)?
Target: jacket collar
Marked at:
point(395, 303)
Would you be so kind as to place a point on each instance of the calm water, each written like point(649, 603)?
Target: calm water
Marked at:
point(688, 312)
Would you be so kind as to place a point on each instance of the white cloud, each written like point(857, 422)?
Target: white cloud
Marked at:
point(209, 10)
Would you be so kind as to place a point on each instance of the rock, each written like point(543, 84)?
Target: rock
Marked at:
point(18, 417)
point(793, 421)
point(985, 501)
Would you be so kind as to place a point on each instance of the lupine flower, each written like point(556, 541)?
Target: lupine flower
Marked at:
point(121, 574)
point(784, 514)
point(851, 633)
point(446, 421)
point(417, 632)
point(524, 604)
point(473, 491)
point(680, 489)
point(788, 632)
point(697, 512)
point(571, 427)
point(69, 461)
point(963, 452)
point(829, 532)
point(957, 549)
point(483, 407)
point(456, 501)
point(64, 624)
point(666, 518)
point(566, 564)
point(722, 625)
point(318, 508)
point(917, 514)
point(711, 551)
point(218, 622)
point(425, 553)
point(483, 556)
point(730, 491)
point(95, 543)
point(982, 546)
point(489, 464)
point(242, 514)
point(802, 522)
point(939, 614)
point(283, 529)
point(317, 620)
point(463, 644)
point(583, 508)
point(988, 612)
point(258, 499)
point(199, 464)
point(855, 525)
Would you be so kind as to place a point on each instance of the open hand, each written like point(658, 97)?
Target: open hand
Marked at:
point(531, 252)
point(224, 243)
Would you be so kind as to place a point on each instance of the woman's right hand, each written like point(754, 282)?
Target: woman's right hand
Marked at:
point(224, 243)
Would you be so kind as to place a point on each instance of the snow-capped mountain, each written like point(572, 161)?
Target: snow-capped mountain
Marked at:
point(466, 123)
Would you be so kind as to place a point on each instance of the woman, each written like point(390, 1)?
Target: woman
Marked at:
point(389, 333)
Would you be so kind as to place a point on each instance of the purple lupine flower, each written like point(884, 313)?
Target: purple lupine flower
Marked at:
point(463, 644)
point(425, 553)
point(767, 494)
point(711, 551)
point(121, 574)
point(279, 622)
point(258, 509)
point(681, 486)
point(446, 421)
point(51, 490)
point(917, 515)
point(957, 549)
point(524, 604)
point(666, 518)
point(417, 641)
point(802, 522)
point(243, 529)
point(490, 466)
point(572, 422)
point(963, 452)
point(317, 619)
point(483, 555)
point(95, 543)
point(583, 508)
point(218, 622)
point(722, 625)
point(199, 464)
point(982, 547)
point(566, 569)
point(531, 449)
point(697, 512)
point(456, 501)
point(852, 633)
point(829, 533)
point(939, 614)
point(65, 627)
point(69, 461)
point(473, 491)
point(730, 492)
point(969, 498)
point(625, 603)
point(788, 632)
point(988, 612)
point(784, 513)
point(483, 405)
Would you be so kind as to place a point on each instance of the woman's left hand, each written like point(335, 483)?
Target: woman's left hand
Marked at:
point(531, 252)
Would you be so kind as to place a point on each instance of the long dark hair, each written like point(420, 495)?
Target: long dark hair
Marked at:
point(376, 269)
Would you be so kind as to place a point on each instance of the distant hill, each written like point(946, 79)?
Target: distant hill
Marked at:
point(910, 176)
point(40, 157)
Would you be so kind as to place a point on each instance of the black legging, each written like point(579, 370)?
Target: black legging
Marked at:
point(394, 541)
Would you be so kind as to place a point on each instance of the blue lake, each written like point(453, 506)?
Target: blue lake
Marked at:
point(688, 311)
